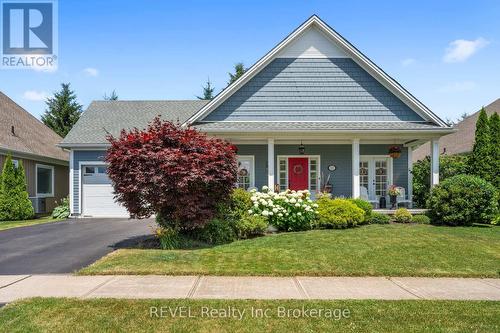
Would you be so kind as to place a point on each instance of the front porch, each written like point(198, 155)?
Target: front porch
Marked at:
point(358, 168)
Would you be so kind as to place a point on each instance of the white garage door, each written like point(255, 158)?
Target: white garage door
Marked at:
point(97, 194)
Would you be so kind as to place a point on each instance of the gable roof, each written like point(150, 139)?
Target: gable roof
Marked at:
point(31, 137)
point(103, 117)
point(363, 61)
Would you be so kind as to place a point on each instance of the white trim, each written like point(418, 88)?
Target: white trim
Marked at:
point(311, 121)
point(356, 55)
point(71, 182)
point(434, 162)
point(355, 168)
point(318, 171)
point(80, 185)
point(410, 176)
point(390, 168)
point(270, 164)
point(252, 175)
point(44, 166)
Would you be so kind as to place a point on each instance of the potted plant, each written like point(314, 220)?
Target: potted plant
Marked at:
point(395, 151)
point(393, 192)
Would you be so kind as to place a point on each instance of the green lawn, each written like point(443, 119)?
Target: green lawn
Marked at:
point(4, 225)
point(376, 250)
point(111, 315)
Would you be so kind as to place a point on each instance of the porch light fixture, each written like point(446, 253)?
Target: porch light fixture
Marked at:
point(302, 149)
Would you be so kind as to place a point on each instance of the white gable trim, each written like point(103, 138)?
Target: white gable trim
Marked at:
point(348, 48)
point(312, 43)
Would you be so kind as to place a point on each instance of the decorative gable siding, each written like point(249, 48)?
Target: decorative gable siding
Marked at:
point(298, 89)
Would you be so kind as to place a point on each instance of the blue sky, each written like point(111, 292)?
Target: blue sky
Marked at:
point(446, 53)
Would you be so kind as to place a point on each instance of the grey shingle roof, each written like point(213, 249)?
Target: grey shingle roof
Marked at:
point(113, 116)
point(312, 126)
point(30, 136)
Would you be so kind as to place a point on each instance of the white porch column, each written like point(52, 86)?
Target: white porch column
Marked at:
point(434, 162)
point(270, 164)
point(355, 168)
point(71, 175)
point(410, 176)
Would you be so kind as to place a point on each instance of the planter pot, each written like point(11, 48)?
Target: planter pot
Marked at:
point(393, 201)
point(395, 155)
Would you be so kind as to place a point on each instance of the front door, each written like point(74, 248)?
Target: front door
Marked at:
point(375, 176)
point(298, 173)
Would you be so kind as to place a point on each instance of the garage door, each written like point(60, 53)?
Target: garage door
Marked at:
point(97, 194)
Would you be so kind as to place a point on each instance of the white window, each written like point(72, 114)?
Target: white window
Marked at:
point(44, 180)
point(246, 172)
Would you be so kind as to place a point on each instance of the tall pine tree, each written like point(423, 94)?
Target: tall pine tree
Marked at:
point(208, 91)
point(495, 148)
point(63, 111)
point(239, 70)
point(480, 161)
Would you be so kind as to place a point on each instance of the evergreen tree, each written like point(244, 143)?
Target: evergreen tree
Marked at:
point(24, 207)
point(14, 201)
point(239, 70)
point(495, 147)
point(112, 97)
point(208, 91)
point(62, 110)
point(481, 160)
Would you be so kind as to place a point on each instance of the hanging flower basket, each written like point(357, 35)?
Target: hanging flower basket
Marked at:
point(395, 151)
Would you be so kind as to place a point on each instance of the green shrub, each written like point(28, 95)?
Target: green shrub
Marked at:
point(463, 200)
point(217, 231)
point(449, 166)
point(249, 226)
point(379, 218)
point(338, 213)
point(365, 206)
point(402, 215)
point(496, 220)
point(168, 237)
point(421, 219)
point(14, 199)
point(62, 210)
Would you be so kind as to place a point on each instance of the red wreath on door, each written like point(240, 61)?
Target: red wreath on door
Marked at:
point(298, 169)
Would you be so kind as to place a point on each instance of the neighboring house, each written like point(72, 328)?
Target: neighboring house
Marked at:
point(313, 104)
point(462, 140)
point(30, 141)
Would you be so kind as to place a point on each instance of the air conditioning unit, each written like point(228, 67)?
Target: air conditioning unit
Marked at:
point(39, 205)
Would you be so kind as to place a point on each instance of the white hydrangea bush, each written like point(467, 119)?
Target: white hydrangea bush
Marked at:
point(288, 210)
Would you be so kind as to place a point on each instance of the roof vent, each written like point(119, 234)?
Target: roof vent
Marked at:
point(12, 130)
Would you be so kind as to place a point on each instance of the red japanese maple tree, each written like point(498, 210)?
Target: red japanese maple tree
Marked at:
point(176, 172)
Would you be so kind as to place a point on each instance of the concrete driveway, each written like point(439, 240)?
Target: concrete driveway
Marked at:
point(63, 247)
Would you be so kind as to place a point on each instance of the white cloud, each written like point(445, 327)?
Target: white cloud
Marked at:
point(407, 62)
point(89, 71)
point(461, 86)
point(461, 49)
point(34, 95)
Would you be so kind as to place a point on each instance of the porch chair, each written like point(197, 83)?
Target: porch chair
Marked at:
point(363, 194)
point(401, 198)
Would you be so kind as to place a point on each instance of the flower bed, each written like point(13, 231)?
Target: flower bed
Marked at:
point(288, 210)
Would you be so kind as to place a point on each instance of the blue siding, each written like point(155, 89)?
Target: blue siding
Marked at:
point(82, 156)
point(399, 165)
point(335, 89)
point(339, 155)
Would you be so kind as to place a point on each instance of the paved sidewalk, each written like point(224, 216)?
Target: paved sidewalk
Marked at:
point(14, 287)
